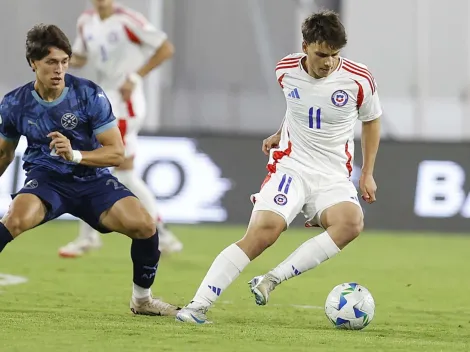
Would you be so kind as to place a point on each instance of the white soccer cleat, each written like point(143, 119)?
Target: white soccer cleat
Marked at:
point(261, 286)
point(194, 316)
point(168, 242)
point(152, 306)
point(79, 247)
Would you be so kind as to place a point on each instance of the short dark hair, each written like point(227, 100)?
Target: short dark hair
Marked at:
point(41, 38)
point(324, 27)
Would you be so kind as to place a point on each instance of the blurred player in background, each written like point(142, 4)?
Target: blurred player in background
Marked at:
point(311, 158)
point(72, 139)
point(122, 47)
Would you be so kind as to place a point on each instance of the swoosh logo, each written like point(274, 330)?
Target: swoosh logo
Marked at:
point(199, 321)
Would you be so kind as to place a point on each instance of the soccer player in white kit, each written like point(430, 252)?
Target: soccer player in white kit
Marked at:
point(311, 158)
point(123, 47)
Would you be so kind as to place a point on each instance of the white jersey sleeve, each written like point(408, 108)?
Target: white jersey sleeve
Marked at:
point(287, 63)
point(369, 107)
point(145, 32)
point(79, 45)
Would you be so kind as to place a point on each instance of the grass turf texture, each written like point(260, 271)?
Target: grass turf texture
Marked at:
point(419, 282)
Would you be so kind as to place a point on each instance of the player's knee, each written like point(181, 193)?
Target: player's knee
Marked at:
point(15, 225)
point(265, 234)
point(352, 227)
point(141, 227)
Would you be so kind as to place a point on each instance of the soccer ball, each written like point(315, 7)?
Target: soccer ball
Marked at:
point(350, 306)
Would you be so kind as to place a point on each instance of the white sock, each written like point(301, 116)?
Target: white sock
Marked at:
point(86, 232)
point(223, 271)
point(140, 292)
point(310, 254)
point(137, 186)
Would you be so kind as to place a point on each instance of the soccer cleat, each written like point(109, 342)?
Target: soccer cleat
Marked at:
point(168, 242)
point(79, 247)
point(191, 315)
point(152, 306)
point(261, 286)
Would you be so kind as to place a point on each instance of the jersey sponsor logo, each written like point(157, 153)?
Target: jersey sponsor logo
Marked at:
point(69, 121)
point(280, 199)
point(32, 184)
point(339, 98)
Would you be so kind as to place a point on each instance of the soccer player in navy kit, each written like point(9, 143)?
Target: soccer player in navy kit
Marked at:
point(72, 138)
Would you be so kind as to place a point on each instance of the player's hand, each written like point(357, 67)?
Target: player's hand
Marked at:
point(271, 142)
point(126, 89)
point(368, 187)
point(61, 145)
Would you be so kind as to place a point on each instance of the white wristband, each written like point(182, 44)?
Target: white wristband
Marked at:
point(134, 77)
point(76, 156)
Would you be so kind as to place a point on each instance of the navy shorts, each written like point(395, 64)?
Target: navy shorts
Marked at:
point(85, 199)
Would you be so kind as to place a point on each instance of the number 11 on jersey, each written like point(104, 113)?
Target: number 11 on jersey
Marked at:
point(316, 119)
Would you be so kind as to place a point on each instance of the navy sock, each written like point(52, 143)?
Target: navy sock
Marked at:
point(5, 236)
point(145, 256)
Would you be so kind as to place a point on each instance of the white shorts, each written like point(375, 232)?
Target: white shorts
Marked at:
point(130, 115)
point(288, 193)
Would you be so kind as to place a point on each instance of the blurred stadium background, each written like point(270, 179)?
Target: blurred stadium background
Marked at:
point(209, 109)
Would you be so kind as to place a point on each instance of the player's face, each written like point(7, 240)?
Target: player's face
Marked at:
point(50, 71)
point(103, 6)
point(321, 59)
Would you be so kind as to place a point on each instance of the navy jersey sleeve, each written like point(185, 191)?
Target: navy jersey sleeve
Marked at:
point(100, 112)
point(8, 128)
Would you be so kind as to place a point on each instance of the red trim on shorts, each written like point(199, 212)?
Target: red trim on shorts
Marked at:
point(266, 179)
point(278, 155)
point(122, 125)
point(349, 156)
point(130, 108)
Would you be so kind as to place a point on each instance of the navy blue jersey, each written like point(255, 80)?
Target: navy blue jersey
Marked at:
point(80, 113)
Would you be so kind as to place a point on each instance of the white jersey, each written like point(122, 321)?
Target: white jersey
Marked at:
point(116, 46)
point(318, 130)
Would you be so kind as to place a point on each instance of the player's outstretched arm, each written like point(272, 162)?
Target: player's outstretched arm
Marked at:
point(163, 53)
point(77, 61)
point(7, 153)
point(370, 145)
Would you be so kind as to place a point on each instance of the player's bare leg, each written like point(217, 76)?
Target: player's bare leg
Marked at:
point(129, 217)
point(343, 223)
point(264, 229)
point(89, 239)
point(25, 212)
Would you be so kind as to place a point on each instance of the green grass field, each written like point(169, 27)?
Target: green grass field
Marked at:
point(419, 282)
